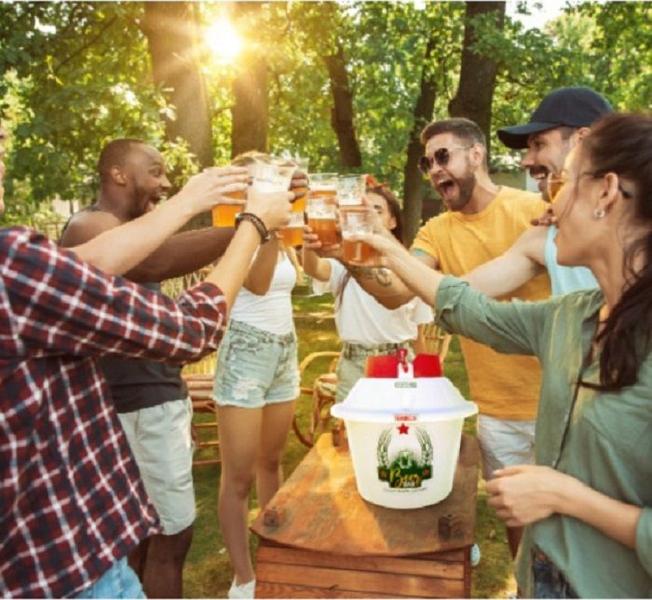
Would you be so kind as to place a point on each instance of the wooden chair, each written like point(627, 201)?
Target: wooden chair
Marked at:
point(200, 389)
point(322, 394)
point(436, 340)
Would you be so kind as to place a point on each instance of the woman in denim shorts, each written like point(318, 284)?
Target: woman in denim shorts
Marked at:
point(365, 327)
point(256, 384)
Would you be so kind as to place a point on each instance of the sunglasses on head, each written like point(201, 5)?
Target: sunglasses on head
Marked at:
point(441, 156)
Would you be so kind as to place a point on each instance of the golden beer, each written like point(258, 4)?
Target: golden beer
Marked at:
point(357, 221)
point(359, 253)
point(326, 230)
point(224, 214)
point(299, 205)
point(292, 236)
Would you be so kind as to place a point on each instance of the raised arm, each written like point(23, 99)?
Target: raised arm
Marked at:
point(117, 250)
point(388, 289)
point(59, 305)
point(510, 327)
point(506, 273)
point(415, 271)
point(229, 275)
point(261, 272)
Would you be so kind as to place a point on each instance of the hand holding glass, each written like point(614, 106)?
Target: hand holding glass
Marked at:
point(322, 219)
point(355, 222)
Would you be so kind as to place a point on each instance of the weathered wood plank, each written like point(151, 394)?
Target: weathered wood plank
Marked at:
point(360, 581)
point(407, 566)
point(265, 589)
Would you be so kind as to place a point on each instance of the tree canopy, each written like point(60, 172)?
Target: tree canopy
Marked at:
point(348, 84)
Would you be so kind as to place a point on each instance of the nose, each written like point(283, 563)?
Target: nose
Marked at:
point(435, 169)
point(528, 159)
point(165, 183)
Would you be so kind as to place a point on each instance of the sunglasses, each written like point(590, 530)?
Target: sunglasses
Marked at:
point(556, 183)
point(441, 156)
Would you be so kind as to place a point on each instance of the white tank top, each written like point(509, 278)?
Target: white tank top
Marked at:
point(273, 311)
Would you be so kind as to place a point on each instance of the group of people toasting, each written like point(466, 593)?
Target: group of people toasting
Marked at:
point(559, 362)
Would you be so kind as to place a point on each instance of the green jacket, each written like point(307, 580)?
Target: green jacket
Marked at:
point(602, 439)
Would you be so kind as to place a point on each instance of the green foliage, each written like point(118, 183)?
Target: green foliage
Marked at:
point(77, 74)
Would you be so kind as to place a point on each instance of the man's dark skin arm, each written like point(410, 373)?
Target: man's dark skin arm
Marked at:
point(180, 254)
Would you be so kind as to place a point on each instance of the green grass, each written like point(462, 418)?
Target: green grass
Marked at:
point(208, 573)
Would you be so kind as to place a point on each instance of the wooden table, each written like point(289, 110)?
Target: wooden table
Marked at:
point(320, 539)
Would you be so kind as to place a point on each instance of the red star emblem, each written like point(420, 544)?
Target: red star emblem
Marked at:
point(403, 429)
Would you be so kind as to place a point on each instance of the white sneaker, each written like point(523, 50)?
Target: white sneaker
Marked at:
point(244, 590)
point(475, 555)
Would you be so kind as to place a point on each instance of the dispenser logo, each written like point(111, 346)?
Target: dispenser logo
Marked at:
point(404, 454)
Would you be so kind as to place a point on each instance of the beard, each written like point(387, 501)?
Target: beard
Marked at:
point(142, 201)
point(465, 186)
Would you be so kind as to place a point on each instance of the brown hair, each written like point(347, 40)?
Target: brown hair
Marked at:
point(622, 144)
point(461, 128)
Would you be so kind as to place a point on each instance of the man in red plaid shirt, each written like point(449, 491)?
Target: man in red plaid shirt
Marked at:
point(71, 502)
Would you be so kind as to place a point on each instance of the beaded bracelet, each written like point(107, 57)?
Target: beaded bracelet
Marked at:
point(256, 222)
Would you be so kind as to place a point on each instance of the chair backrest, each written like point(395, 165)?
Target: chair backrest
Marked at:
point(435, 340)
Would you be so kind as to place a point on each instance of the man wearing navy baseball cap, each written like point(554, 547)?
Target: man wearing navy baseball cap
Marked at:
point(559, 122)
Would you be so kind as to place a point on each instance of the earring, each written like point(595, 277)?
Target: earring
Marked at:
point(599, 213)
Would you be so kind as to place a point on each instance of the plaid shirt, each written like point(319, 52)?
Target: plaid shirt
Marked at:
point(71, 500)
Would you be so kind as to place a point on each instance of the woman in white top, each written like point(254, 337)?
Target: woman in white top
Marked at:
point(256, 384)
point(365, 327)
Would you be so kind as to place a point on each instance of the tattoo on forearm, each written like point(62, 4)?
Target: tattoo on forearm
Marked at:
point(381, 276)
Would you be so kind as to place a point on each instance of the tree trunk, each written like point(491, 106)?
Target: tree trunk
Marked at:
point(171, 30)
point(413, 180)
point(475, 90)
point(250, 112)
point(342, 111)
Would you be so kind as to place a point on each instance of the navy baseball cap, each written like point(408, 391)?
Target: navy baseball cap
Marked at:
point(569, 106)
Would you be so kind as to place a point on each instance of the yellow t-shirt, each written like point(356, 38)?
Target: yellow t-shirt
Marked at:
point(504, 386)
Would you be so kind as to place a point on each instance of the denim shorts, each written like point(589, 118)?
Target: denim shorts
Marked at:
point(118, 582)
point(255, 367)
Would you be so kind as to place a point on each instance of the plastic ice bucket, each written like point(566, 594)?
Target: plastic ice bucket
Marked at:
point(404, 435)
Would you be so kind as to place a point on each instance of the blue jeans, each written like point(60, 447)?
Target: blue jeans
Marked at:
point(118, 582)
point(549, 581)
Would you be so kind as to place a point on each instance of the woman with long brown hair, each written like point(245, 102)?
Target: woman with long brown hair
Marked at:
point(587, 503)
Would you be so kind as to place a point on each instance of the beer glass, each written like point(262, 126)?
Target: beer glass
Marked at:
point(271, 177)
point(350, 190)
point(292, 234)
point(357, 221)
point(276, 177)
point(224, 214)
point(322, 218)
point(323, 184)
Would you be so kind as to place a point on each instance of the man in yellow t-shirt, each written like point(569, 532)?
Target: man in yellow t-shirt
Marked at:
point(482, 222)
